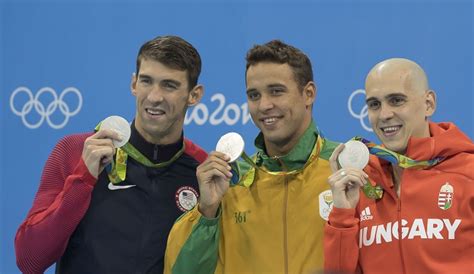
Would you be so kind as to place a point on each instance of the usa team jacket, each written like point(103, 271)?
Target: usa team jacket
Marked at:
point(428, 229)
point(88, 226)
point(275, 225)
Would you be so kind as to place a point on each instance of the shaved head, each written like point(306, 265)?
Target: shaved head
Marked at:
point(399, 102)
point(409, 73)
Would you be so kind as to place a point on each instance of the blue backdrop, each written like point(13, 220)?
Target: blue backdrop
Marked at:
point(84, 53)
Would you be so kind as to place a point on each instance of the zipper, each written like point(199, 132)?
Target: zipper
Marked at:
point(285, 222)
point(147, 232)
point(399, 208)
point(155, 153)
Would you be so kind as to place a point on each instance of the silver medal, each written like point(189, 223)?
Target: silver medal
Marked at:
point(231, 144)
point(119, 125)
point(355, 155)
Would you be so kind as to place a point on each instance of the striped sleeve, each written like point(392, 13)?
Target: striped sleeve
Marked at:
point(60, 203)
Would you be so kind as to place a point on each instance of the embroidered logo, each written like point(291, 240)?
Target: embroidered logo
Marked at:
point(186, 198)
point(325, 204)
point(365, 215)
point(445, 196)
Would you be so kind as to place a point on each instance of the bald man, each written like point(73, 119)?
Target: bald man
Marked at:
point(424, 220)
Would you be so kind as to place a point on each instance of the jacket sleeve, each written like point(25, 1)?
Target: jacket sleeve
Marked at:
point(341, 248)
point(60, 203)
point(193, 244)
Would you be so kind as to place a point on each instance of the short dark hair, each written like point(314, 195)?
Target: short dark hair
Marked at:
point(174, 52)
point(277, 51)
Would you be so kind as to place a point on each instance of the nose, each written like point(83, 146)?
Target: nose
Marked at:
point(155, 95)
point(265, 103)
point(386, 112)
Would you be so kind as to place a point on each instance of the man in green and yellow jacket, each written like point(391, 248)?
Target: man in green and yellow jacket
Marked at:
point(272, 219)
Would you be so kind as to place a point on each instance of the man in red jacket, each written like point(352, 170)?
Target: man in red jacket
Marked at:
point(423, 222)
point(86, 221)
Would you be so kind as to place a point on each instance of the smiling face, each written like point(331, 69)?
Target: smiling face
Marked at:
point(279, 108)
point(399, 102)
point(162, 97)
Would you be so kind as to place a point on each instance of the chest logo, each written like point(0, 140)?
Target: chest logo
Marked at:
point(445, 196)
point(186, 198)
point(325, 204)
point(118, 187)
point(366, 215)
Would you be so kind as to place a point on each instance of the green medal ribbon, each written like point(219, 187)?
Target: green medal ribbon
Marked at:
point(248, 179)
point(371, 191)
point(117, 171)
point(376, 192)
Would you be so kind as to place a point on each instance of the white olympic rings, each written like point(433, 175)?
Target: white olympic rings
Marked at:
point(45, 111)
point(363, 112)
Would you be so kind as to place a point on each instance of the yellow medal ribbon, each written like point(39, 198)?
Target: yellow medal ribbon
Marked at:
point(117, 170)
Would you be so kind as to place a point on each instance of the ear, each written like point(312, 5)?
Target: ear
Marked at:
point(309, 93)
point(133, 84)
point(195, 95)
point(430, 101)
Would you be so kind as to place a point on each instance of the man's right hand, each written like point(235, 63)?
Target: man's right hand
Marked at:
point(213, 176)
point(345, 182)
point(99, 150)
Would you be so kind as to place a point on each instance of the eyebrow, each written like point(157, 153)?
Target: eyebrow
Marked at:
point(250, 90)
point(267, 87)
point(370, 99)
point(396, 94)
point(143, 76)
point(387, 96)
point(276, 86)
point(177, 83)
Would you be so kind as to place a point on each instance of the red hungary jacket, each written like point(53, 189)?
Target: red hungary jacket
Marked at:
point(428, 229)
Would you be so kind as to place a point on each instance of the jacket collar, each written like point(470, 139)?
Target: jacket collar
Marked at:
point(155, 153)
point(295, 159)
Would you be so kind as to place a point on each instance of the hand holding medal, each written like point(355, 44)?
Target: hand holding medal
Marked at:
point(347, 163)
point(99, 148)
point(215, 173)
point(356, 155)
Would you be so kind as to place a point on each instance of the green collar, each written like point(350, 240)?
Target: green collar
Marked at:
point(295, 159)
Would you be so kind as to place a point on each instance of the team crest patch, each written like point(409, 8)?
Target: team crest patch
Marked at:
point(186, 198)
point(325, 204)
point(445, 197)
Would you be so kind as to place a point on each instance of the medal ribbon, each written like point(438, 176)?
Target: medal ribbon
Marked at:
point(314, 154)
point(117, 171)
point(376, 192)
point(396, 158)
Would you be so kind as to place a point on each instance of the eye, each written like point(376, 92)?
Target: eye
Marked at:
point(169, 85)
point(397, 101)
point(276, 91)
point(145, 81)
point(253, 95)
point(373, 105)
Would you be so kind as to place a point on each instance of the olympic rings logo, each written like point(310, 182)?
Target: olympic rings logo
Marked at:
point(363, 114)
point(43, 111)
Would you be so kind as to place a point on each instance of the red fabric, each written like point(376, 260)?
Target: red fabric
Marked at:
point(62, 200)
point(434, 240)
